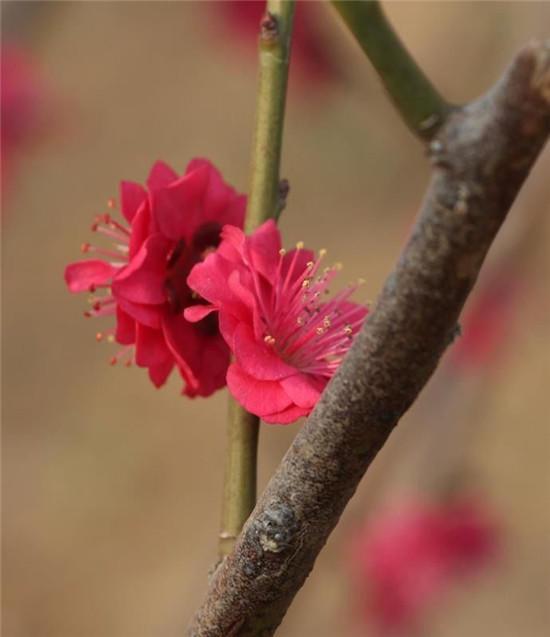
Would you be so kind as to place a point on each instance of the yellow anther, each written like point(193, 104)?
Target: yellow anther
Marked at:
point(299, 245)
point(269, 339)
point(322, 253)
point(337, 266)
point(348, 330)
point(309, 265)
point(110, 338)
point(282, 252)
point(306, 283)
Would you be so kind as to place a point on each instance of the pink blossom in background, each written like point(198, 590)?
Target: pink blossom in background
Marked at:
point(287, 340)
point(408, 555)
point(312, 62)
point(23, 106)
point(487, 322)
point(168, 227)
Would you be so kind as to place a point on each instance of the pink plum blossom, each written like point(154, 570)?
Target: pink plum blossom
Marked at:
point(168, 227)
point(410, 553)
point(287, 339)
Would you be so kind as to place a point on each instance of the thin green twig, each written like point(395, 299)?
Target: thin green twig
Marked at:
point(264, 202)
point(418, 102)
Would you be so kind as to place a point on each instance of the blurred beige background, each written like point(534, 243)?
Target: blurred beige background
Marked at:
point(111, 490)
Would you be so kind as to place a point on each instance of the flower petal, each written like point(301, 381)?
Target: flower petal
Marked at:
point(259, 397)
point(149, 315)
point(301, 390)
point(159, 373)
point(196, 313)
point(286, 417)
point(125, 327)
point(202, 359)
point(258, 359)
point(151, 348)
point(161, 175)
point(262, 249)
point(82, 275)
point(132, 196)
point(141, 229)
point(142, 280)
point(178, 209)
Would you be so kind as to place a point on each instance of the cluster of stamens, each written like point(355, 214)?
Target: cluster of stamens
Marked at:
point(105, 304)
point(309, 334)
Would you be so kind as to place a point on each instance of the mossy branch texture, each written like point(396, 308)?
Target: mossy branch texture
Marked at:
point(265, 200)
point(418, 102)
point(481, 156)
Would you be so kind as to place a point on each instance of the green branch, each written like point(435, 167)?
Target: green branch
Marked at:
point(265, 200)
point(418, 102)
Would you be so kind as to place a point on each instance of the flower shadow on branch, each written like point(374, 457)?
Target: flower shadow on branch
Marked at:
point(481, 156)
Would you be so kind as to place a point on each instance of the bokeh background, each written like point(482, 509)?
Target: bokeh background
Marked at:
point(111, 489)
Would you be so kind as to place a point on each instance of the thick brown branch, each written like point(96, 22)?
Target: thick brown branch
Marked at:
point(481, 157)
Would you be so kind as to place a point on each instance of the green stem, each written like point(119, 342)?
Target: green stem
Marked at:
point(264, 202)
point(418, 102)
point(274, 53)
point(239, 495)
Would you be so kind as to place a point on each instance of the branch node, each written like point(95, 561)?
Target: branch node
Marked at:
point(269, 29)
point(276, 528)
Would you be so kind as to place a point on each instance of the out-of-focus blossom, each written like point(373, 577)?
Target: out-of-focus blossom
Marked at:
point(169, 227)
point(24, 106)
point(312, 63)
point(287, 340)
point(486, 324)
point(410, 554)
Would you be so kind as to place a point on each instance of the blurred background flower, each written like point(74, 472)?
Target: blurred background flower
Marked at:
point(25, 107)
point(411, 553)
point(315, 62)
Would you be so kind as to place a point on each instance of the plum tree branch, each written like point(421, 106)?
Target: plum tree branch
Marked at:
point(481, 156)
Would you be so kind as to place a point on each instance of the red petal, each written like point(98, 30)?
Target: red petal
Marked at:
point(161, 175)
point(80, 276)
point(259, 397)
point(212, 366)
point(220, 201)
point(196, 313)
point(159, 373)
point(125, 327)
point(301, 390)
point(287, 416)
point(146, 314)
point(141, 229)
point(182, 341)
point(151, 348)
point(177, 209)
point(132, 195)
point(202, 359)
point(258, 359)
point(142, 280)
point(262, 249)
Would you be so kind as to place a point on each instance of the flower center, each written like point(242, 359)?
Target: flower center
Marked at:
point(181, 260)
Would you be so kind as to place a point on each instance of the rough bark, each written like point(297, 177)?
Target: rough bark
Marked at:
point(481, 157)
